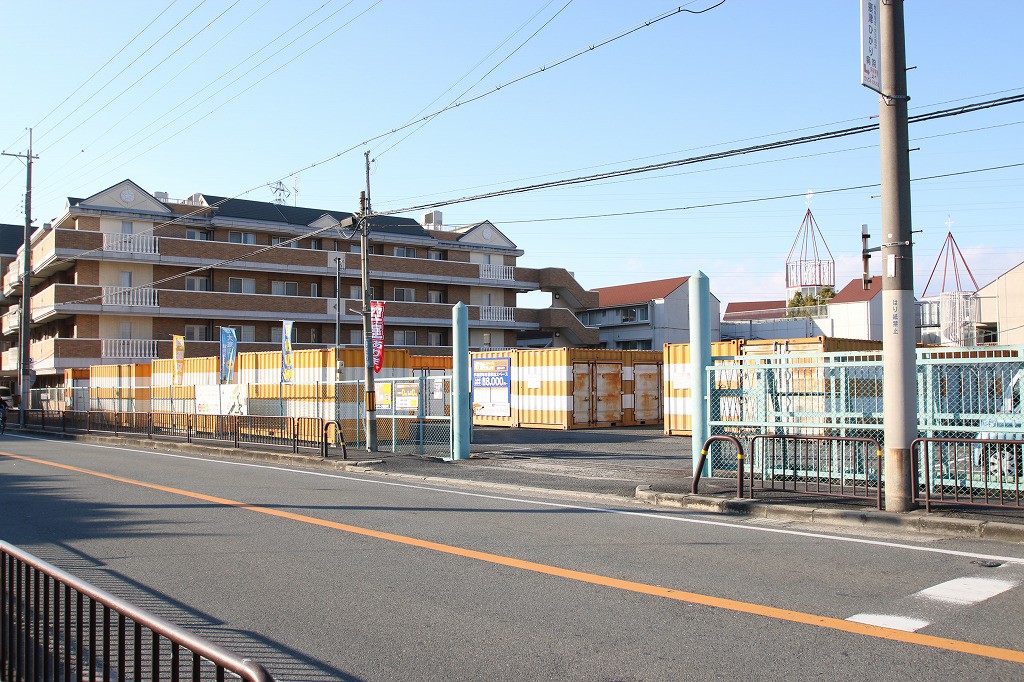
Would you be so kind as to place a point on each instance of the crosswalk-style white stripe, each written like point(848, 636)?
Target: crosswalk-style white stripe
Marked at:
point(966, 591)
point(894, 622)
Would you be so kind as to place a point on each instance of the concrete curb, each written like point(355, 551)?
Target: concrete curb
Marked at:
point(920, 522)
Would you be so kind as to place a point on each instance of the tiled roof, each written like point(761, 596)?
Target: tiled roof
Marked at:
point(750, 306)
point(854, 291)
point(11, 238)
point(298, 215)
point(641, 292)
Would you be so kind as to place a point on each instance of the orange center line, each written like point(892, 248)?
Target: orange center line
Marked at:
point(580, 576)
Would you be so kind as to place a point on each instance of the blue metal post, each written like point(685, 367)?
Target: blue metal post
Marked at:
point(700, 360)
point(462, 416)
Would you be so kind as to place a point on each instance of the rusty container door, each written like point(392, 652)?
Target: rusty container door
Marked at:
point(608, 392)
point(581, 391)
point(646, 392)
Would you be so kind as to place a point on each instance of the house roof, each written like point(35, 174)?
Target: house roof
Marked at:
point(740, 311)
point(854, 292)
point(641, 292)
point(11, 238)
point(301, 216)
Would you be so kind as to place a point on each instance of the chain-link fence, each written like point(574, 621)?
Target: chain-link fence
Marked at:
point(967, 393)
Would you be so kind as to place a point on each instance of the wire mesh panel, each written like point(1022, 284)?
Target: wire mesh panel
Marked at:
point(967, 393)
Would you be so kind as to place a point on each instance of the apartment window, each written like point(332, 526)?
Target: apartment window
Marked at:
point(355, 292)
point(405, 338)
point(127, 227)
point(242, 237)
point(275, 334)
point(405, 251)
point(435, 338)
point(315, 244)
point(126, 278)
point(241, 285)
point(435, 254)
point(197, 332)
point(434, 296)
point(485, 299)
point(487, 339)
point(284, 288)
point(245, 332)
point(283, 241)
point(485, 258)
point(402, 294)
point(314, 335)
point(355, 249)
point(198, 235)
point(355, 337)
point(197, 284)
point(314, 289)
point(125, 330)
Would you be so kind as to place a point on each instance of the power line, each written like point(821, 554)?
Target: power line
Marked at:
point(130, 64)
point(154, 68)
point(106, 63)
point(478, 81)
point(779, 144)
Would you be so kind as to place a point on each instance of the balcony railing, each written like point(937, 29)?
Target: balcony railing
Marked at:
point(144, 296)
point(497, 313)
point(130, 243)
point(11, 320)
point(497, 272)
point(128, 348)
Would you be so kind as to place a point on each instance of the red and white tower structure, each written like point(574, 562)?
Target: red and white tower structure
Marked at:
point(949, 317)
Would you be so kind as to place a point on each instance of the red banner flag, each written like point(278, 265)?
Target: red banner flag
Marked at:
point(377, 333)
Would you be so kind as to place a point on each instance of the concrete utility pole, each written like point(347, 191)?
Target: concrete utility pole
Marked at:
point(899, 390)
point(364, 247)
point(24, 336)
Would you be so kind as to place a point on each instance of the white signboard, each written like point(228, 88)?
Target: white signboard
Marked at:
point(870, 46)
point(222, 399)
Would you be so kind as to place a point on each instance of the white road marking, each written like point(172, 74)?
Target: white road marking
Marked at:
point(648, 515)
point(892, 622)
point(966, 591)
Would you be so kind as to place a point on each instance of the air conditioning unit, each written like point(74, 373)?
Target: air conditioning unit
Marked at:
point(432, 219)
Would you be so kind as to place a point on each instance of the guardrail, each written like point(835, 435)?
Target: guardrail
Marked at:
point(833, 466)
point(56, 626)
point(980, 472)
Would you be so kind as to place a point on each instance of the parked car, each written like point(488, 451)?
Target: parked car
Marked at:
point(7, 396)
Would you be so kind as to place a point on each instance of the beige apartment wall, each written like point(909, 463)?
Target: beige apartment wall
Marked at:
point(113, 225)
point(110, 274)
point(110, 326)
point(477, 296)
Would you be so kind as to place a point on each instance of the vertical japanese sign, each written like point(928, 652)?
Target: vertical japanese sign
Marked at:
point(492, 387)
point(228, 353)
point(870, 46)
point(179, 359)
point(287, 361)
point(377, 333)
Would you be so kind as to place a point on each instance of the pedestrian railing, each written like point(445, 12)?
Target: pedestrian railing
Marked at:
point(983, 472)
point(300, 434)
point(831, 466)
point(58, 627)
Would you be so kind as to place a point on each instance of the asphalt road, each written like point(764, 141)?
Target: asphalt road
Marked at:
point(360, 577)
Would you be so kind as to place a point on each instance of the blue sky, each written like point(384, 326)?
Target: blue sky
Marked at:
point(749, 71)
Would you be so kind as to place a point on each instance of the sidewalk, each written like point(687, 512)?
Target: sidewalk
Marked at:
point(615, 466)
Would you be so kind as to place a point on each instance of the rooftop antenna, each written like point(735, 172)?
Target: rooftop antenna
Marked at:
point(952, 259)
point(295, 190)
point(281, 192)
point(807, 267)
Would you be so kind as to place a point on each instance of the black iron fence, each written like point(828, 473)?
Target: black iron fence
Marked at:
point(57, 627)
point(302, 435)
point(984, 472)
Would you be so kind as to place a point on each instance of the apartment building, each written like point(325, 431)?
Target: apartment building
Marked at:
point(121, 271)
point(646, 315)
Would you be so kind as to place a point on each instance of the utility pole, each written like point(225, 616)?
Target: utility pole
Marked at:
point(899, 389)
point(364, 248)
point(24, 337)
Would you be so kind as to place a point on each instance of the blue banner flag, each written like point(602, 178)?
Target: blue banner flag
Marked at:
point(228, 353)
